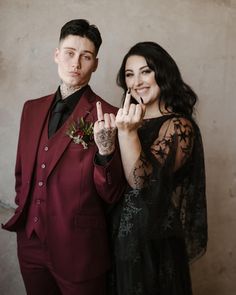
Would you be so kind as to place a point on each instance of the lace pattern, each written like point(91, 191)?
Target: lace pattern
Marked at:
point(176, 136)
point(161, 223)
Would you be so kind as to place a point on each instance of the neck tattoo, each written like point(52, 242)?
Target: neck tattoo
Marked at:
point(68, 90)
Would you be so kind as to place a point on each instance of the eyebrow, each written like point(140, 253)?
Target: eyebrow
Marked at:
point(84, 51)
point(139, 68)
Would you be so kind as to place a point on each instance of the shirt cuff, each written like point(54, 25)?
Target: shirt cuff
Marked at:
point(102, 160)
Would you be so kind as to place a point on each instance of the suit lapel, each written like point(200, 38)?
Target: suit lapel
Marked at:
point(37, 119)
point(83, 109)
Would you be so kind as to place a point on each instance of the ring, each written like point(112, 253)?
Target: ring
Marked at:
point(101, 121)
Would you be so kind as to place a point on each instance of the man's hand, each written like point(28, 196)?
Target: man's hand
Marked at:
point(104, 132)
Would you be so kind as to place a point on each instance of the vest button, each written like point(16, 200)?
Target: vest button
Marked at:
point(36, 219)
point(38, 201)
point(40, 183)
point(43, 166)
point(46, 148)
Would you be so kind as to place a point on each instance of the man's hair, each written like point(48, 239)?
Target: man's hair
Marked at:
point(81, 27)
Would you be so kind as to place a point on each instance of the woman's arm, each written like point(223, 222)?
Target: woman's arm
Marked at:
point(128, 120)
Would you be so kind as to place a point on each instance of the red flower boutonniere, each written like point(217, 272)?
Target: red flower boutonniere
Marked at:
point(81, 132)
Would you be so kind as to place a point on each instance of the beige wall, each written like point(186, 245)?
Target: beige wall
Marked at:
point(199, 34)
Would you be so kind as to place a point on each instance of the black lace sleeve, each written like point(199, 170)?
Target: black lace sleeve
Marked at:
point(170, 175)
point(172, 147)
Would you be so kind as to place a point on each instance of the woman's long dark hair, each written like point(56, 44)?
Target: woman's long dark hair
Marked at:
point(175, 94)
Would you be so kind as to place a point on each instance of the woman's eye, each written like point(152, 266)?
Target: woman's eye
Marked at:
point(146, 72)
point(127, 75)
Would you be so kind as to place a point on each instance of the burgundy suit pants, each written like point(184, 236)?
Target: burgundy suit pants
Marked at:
point(41, 279)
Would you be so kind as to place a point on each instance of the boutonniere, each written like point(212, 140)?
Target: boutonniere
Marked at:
point(81, 132)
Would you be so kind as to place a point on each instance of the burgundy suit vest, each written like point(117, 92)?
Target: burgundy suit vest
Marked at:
point(37, 214)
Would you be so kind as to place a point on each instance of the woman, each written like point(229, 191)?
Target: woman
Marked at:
point(161, 225)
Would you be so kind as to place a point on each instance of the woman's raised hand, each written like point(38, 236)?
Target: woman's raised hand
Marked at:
point(130, 117)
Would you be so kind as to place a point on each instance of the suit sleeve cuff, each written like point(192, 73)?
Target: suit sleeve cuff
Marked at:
point(102, 160)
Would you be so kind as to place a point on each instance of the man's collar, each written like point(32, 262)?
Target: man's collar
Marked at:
point(72, 99)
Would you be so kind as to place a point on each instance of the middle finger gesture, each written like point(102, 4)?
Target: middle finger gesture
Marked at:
point(104, 131)
point(131, 115)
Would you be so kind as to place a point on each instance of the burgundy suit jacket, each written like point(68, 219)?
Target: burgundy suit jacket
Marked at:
point(78, 189)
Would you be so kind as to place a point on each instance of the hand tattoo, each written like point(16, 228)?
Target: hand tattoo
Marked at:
point(105, 140)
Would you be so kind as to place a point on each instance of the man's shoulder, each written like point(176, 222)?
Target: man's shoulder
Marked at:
point(31, 104)
point(40, 99)
point(107, 107)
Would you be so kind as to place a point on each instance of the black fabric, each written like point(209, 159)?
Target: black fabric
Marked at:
point(56, 117)
point(102, 160)
point(62, 109)
point(160, 225)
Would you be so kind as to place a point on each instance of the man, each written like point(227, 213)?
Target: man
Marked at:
point(65, 175)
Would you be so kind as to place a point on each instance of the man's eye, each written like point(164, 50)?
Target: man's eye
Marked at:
point(70, 53)
point(87, 57)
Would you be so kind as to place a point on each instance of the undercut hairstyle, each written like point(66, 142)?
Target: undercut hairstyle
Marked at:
point(82, 28)
point(175, 94)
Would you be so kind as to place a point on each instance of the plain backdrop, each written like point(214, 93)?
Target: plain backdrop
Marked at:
point(201, 37)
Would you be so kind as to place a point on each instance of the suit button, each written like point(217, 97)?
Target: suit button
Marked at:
point(38, 201)
point(109, 178)
point(46, 148)
point(36, 219)
point(40, 183)
point(43, 166)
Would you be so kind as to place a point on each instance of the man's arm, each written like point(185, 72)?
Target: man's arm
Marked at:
point(109, 178)
point(108, 173)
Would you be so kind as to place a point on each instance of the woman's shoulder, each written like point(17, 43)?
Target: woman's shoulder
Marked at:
point(176, 124)
point(177, 120)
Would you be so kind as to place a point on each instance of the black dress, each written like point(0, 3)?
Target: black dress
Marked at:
point(160, 225)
